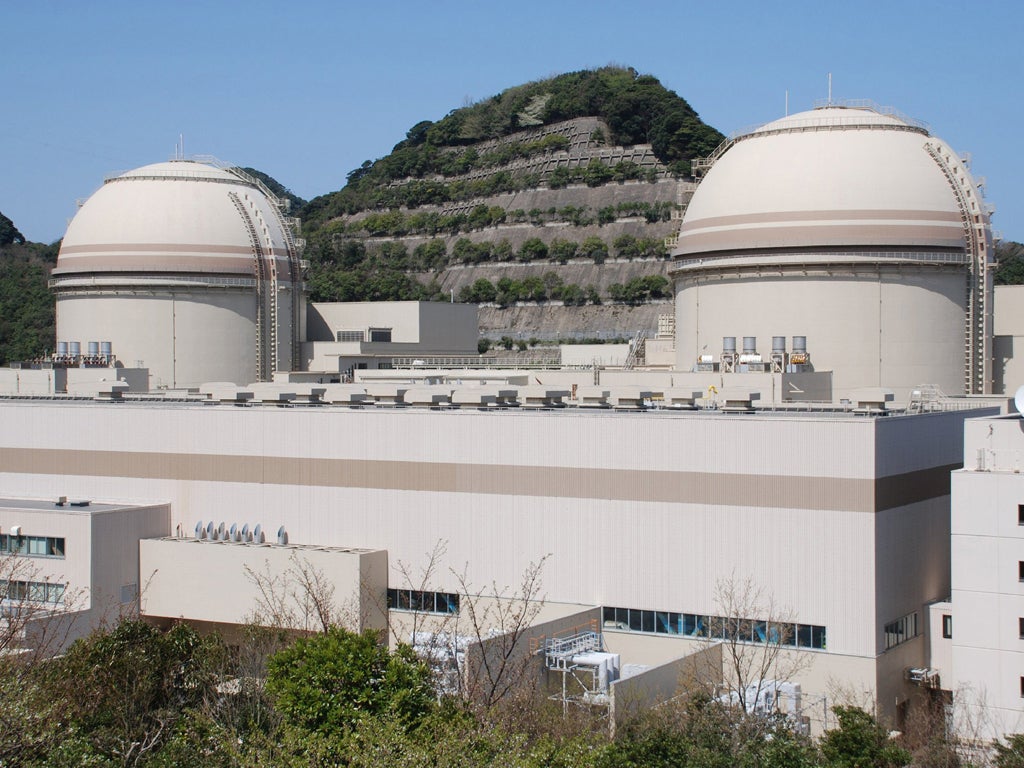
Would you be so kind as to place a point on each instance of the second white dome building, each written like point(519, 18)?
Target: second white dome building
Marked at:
point(854, 228)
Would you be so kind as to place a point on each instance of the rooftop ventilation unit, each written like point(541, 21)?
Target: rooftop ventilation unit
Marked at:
point(777, 360)
point(728, 354)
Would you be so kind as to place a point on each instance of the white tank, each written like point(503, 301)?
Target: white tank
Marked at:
point(187, 268)
point(850, 225)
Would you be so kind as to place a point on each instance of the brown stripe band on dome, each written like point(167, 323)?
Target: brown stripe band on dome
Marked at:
point(839, 235)
point(161, 263)
point(770, 217)
point(161, 248)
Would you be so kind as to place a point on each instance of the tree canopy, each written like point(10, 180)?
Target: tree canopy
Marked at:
point(9, 234)
point(329, 683)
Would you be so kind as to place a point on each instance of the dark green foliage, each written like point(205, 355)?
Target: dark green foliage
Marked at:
point(1010, 753)
point(860, 742)
point(280, 190)
point(639, 290)
point(597, 173)
point(395, 223)
point(594, 248)
point(1010, 263)
point(533, 289)
point(9, 235)
point(26, 304)
point(704, 733)
point(129, 687)
point(134, 695)
point(480, 292)
point(330, 682)
point(533, 249)
point(562, 250)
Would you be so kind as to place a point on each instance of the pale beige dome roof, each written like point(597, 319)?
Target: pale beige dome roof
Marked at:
point(180, 216)
point(834, 177)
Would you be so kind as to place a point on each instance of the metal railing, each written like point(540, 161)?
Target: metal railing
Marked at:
point(837, 257)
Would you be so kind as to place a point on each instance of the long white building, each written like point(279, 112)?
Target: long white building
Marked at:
point(842, 518)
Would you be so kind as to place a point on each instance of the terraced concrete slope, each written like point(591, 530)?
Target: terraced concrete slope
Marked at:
point(522, 206)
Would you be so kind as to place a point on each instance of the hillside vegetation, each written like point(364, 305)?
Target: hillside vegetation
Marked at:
point(637, 109)
point(26, 305)
point(582, 168)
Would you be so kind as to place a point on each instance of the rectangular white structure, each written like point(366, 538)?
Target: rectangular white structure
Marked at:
point(987, 674)
point(841, 518)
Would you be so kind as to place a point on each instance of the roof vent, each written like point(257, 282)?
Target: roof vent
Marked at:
point(872, 400)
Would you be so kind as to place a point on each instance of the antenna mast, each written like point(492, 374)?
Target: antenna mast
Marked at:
point(830, 89)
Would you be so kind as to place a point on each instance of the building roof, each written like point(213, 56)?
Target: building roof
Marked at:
point(181, 216)
point(836, 177)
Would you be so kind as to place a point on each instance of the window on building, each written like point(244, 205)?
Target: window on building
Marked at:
point(694, 625)
point(901, 630)
point(1020, 570)
point(31, 546)
point(32, 591)
point(350, 336)
point(422, 601)
point(947, 626)
point(1022, 687)
point(380, 334)
point(1020, 514)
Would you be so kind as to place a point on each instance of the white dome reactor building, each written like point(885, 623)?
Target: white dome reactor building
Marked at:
point(188, 268)
point(851, 229)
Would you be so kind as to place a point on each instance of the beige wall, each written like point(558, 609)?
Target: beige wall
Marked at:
point(872, 326)
point(1008, 339)
point(699, 670)
point(437, 326)
point(101, 554)
point(234, 583)
point(33, 382)
point(988, 594)
point(185, 339)
point(591, 354)
point(635, 510)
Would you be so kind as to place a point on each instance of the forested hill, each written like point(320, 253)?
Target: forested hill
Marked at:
point(636, 109)
point(26, 305)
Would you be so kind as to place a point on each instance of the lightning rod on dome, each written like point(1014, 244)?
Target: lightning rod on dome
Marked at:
point(787, 102)
point(830, 89)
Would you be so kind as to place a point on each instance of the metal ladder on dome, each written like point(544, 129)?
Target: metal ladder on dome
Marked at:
point(977, 309)
point(260, 270)
point(293, 246)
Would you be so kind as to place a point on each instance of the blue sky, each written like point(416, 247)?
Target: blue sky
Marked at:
point(308, 91)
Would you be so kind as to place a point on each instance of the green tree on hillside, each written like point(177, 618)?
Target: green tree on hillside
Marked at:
point(9, 234)
point(1009, 263)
